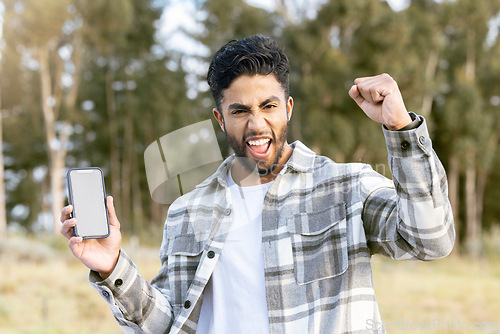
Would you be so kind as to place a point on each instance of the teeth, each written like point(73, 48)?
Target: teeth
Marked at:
point(258, 142)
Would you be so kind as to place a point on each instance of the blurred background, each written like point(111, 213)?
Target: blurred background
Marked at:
point(93, 83)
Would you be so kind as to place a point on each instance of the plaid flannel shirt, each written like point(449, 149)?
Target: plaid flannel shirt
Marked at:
point(321, 222)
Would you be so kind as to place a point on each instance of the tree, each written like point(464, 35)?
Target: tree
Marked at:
point(3, 212)
point(468, 127)
point(107, 34)
point(42, 30)
point(25, 156)
point(127, 84)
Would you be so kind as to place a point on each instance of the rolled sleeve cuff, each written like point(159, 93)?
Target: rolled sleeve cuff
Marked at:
point(115, 284)
point(409, 142)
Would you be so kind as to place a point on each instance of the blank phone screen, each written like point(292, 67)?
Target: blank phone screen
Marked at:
point(88, 199)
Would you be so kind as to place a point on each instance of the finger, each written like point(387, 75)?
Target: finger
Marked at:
point(74, 241)
point(356, 96)
point(66, 213)
point(365, 89)
point(376, 95)
point(373, 91)
point(380, 77)
point(113, 220)
point(361, 79)
point(386, 91)
point(67, 228)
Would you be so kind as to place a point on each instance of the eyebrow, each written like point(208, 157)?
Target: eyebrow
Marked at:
point(241, 106)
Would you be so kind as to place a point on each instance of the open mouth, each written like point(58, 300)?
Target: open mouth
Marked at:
point(259, 148)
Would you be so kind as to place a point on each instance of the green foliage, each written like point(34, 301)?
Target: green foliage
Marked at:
point(233, 19)
point(106, 23)
point(438, 52)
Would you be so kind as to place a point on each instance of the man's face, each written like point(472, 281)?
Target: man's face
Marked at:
point(254, 116)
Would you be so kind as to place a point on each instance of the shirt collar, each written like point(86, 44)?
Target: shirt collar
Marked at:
point(301, 160)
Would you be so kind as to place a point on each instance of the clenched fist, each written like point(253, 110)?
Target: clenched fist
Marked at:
point(380, 99)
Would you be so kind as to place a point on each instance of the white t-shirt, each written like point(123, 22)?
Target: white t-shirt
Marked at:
point(235, 297)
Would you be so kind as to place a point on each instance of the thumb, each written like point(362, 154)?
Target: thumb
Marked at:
point(113, 220)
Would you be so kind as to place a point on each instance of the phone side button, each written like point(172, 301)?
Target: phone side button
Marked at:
point(118, 282)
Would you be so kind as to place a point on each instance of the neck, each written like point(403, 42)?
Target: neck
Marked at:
point(245, 178)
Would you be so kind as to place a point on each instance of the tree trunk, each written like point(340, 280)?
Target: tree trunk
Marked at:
point(57, 163)
point(3, 211)
point(113, 138)
point(128, 156)
point(481, 187)
point(72, 94)
point(473, 226)
point(430, 74)
point(483, 175)
point(138, 212)
point(56, 147)
point(453, 193)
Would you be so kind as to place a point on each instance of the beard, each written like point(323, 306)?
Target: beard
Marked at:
point(261, 167)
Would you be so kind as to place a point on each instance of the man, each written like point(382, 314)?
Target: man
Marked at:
point(279, 239)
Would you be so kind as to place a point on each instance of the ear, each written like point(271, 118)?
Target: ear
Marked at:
point(218, 116)
point(289, 108)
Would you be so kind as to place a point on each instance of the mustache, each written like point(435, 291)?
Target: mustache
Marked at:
point(257, 134)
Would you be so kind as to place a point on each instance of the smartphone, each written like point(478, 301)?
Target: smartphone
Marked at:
point(87, 195)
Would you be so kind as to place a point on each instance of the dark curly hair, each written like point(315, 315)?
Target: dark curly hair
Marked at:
point(253, 55)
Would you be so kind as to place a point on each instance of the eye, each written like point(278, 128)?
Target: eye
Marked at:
point(270, 106)
point(238, 111)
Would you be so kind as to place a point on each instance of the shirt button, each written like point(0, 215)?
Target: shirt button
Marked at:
point(421, 140)
point(187, 304)
point(405, 145)
point(228, 212)
point(105, 294)
point(211, 254)
point(118, 282)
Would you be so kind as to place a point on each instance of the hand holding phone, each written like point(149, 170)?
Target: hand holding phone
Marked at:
point(99, 254)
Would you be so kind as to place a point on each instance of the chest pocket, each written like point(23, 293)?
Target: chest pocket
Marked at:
point(184, 244)
point(184, 254)
point(319, 244)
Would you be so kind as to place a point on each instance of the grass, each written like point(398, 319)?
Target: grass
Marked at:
point(452, 295)
point(43, 289)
